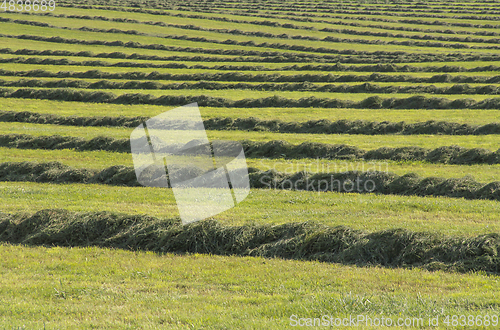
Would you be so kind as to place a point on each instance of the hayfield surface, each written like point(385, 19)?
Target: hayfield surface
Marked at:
point(402, 94)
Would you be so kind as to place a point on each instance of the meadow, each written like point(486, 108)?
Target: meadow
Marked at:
point(404, 94)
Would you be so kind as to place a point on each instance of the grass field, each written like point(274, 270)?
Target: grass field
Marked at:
point(86, 247)
point(120, 289)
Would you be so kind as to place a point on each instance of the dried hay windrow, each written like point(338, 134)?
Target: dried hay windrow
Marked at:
point(346, 182)
point(300, 241)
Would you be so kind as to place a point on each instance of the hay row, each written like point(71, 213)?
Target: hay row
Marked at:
point(266, 56)
point(290, 16)
point(341, 126)
point(345, 182)
point(267, 78)
point(300, 27)
point(326, 8)
point(338, 67)
point(372, 102)
point(453, 155)
point(410, 42)
point(43, 118)
point(298, 241)
point(311, 18)
point(284, 46)
point(364, 15)
point(323, 126)
point(210, 85)
point(314, 52)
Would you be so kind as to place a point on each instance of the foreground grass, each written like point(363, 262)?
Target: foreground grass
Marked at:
point(70, 288)
point(369, 212)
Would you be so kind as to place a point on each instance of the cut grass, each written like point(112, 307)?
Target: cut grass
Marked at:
point(18, 29)
point(77, 288)
point(161, 30)
point(102, 159)
point(367, 142)
point(262, 85)
point(156, 37)
point(77, 68)
point(57, 288)
point(16, 44)
point(470, 116)
point(238, 95)
point(369, 212)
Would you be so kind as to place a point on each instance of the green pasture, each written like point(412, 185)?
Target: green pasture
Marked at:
point(81, 288)
point(49, 287)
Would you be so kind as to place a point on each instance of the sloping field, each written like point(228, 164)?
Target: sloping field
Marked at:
point(401, 99)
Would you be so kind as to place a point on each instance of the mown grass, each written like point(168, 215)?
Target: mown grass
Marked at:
point(236, 95)
point(313, 92)
point(58, 288)
point(160, 30)
point(207, 23)
point(470, 116)
point(346, 18)
point(17, 29)
point(76, 68)
point(102, 159)
point(16, 44)
point(81, 288)
point(367, 142)
point(369, 212)
point(271, 66)
point(223, 58)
